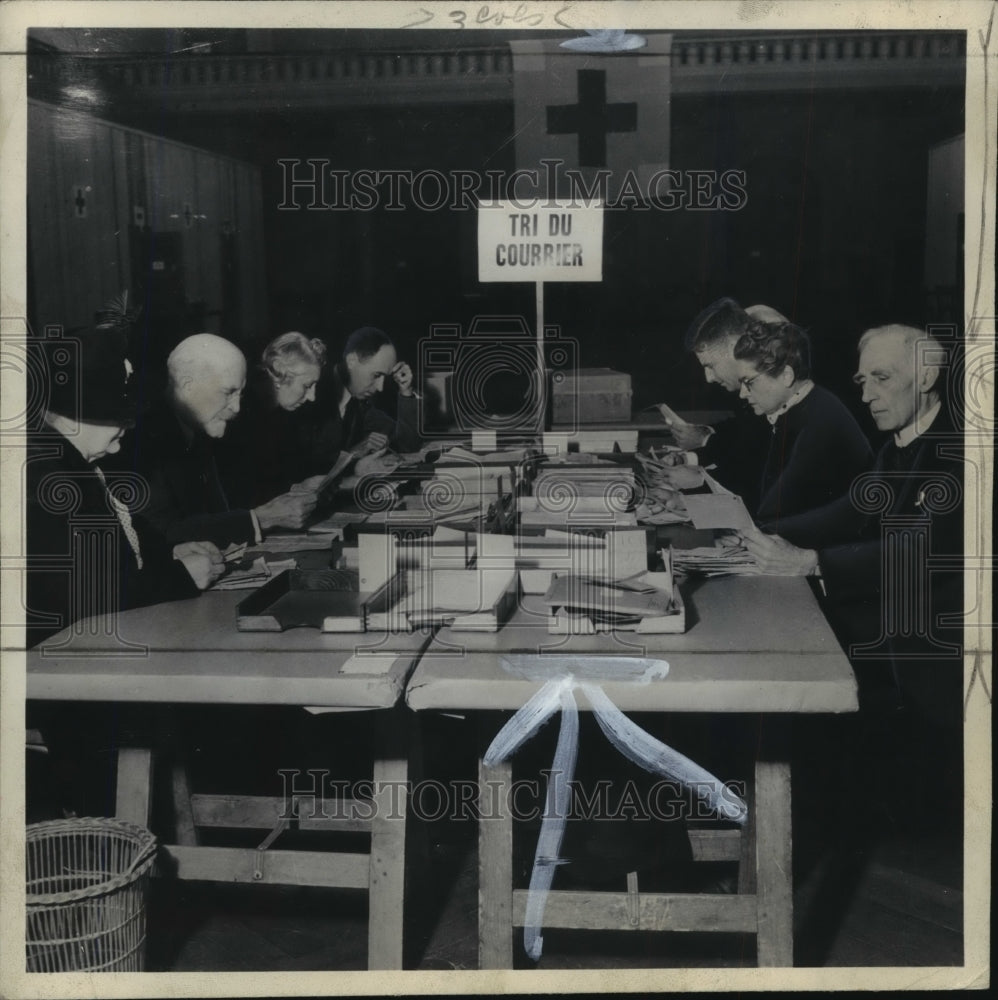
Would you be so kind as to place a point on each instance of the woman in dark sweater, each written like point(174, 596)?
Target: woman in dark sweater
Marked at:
point(816, 448)
point(279, 439)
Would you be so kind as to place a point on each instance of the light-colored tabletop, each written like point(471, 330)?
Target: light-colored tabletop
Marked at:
point(752, 644)
point(190, 651)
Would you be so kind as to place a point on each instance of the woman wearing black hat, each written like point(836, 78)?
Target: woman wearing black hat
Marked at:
point(88, 554)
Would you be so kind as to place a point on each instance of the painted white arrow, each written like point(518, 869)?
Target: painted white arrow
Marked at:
point(558, 695)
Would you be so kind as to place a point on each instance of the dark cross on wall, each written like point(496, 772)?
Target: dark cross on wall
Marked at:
point(592, 118)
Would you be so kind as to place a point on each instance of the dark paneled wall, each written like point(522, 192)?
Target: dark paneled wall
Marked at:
point(112, 208)
point(832, 232)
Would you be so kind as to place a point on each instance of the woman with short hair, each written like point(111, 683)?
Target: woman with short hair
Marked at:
point(280, 438)
point(816, 448)
point(294, 364)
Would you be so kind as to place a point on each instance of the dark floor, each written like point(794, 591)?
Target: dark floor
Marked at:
point(896, 902)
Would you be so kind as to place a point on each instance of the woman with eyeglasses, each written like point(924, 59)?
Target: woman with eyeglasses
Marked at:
point(816, 448)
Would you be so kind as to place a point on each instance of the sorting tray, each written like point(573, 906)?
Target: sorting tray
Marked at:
point(326, 599)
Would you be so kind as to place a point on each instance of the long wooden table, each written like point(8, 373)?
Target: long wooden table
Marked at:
point(752, 645)
point(189, 652)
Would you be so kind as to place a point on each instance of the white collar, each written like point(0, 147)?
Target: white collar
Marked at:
point(917, 427)
point(802, 390)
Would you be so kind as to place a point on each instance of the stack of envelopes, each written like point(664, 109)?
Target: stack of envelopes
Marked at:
point(647, 602)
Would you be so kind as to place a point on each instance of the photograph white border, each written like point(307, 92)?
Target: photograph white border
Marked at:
point(977, 18)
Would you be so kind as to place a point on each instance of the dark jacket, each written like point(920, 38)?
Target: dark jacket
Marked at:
point(362, 417)
point(68, 576)
point(187, 501)
point(734, 451)
point(903, 485)
point(816, 449)
point(266, 449)
point(890, 553)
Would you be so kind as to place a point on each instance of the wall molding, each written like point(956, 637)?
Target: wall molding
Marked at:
point(255, 82)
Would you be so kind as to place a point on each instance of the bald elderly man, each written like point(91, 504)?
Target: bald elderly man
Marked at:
point(175, 451)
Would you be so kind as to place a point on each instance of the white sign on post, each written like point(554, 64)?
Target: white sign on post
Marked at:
point(557, 240)
point(550, 241)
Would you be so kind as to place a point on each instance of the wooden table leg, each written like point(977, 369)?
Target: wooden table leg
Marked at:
point(183, 814)
point(774, 874)
point(387, 873)
point(495, 867)
point(133, 793)
point(746, 847)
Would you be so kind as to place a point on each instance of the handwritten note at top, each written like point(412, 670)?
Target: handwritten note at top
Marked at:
point(480, 15)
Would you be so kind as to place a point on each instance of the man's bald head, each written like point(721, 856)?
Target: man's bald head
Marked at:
point(201, 351)
point(207, 375)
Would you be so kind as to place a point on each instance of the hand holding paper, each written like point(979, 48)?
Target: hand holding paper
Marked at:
point(775, 556)
point(377, 463)
point(339, 466)
point(202, 560)
point(689, 436)
point(718, 510)
point(290, 510)
point(375, 441)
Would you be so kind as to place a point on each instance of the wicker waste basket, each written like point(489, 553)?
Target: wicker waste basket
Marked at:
point(85, 895)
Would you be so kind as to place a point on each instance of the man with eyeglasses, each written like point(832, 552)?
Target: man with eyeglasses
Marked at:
point(733, 447)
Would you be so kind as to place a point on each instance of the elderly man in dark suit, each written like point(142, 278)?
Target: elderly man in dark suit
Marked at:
point(175, 451)
point(917, 480)
point(888, 557)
